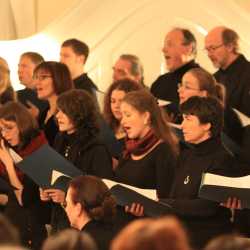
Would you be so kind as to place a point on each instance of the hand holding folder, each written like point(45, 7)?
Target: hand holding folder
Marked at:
point(126, 195)
point(48, 169)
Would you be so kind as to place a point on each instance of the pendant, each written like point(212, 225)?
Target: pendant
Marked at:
point(186, 181)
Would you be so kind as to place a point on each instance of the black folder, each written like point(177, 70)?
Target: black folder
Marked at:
point(125, 196)
point(220, 188)
point(44, 163)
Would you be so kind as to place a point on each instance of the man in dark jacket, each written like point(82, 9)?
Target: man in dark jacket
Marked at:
point(221, 44)
point(74, 53)
point(179, 51)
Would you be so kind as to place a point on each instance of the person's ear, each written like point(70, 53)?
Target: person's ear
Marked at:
point(146, 118)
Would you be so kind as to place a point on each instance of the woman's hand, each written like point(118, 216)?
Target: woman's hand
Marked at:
point(232, 203)
point(5, 156)
point(44, 195)
point(56, 195)
point(135, 209)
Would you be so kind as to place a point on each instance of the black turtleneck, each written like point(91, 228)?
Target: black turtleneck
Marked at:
point(236, 79)
point(203, 218)
point(165, 86)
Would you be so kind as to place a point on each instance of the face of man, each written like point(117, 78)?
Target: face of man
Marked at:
point(218, 53)
point(122, 70)
point(71, 59)
point(174, 50)
point(25, 71)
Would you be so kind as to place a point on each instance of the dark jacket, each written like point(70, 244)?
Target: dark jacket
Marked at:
point(236, 79)
point(90, 155)
point(30, 218)
point(202, 217)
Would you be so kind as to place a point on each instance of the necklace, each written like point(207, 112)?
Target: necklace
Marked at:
point(66, 151)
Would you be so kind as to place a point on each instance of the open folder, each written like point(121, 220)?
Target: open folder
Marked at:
point(126, 195)
point(220, 188)
point(48, 169)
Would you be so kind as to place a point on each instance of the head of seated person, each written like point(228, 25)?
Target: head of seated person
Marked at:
point(69, 239)
point(88, 198)
point(202, 119)
point(152, 234)
point(228, 242)
point(8, 233)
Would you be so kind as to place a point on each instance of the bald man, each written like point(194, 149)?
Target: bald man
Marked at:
point(222, 46)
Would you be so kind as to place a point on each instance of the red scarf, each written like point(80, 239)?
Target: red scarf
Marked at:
point(140, 146)
point(35, 144)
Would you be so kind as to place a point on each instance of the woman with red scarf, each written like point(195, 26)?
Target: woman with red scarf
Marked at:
point(150, 148)
point(24, 209)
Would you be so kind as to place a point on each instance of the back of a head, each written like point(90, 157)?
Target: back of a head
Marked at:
point(228, 242)
point(149, 234)
point(8, 233)
point(4, 63)
point(94, 196)
point(69, 239)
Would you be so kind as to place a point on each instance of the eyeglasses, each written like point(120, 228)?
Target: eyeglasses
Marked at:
point(182, 85)
point(212, 49)
point(41, 77)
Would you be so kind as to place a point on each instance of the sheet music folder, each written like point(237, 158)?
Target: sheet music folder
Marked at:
point(126, 195)
point(48, 169)
point(220, 188)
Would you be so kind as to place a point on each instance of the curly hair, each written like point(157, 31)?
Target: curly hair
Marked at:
point(125, 85)
point(93, 194)
point(80, 107)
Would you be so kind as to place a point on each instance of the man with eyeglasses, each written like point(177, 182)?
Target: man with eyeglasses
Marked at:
point(179, 51)
point(28, 96)
point(222, 47)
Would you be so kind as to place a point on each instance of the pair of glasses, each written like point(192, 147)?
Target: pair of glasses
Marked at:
point(41, 77)
point(184, 86)
point(212, 49)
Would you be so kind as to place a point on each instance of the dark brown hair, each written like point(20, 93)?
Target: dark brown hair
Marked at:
point(26, 123)
point(144, 101)
point(207, 109)
point(81, 109)
point(60, 74)
point(125, 85)
point(93, 194)
point(80, 48)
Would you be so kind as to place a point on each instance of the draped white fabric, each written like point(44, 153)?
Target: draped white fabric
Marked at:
point(17, 19)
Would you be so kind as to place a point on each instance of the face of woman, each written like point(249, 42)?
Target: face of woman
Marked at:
point(44, 85)
point(64, 122)
point(115, 102)
point(189, 87)
point(71, 209)
point(193, 131)
point(10, 132)
point(134, 123)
